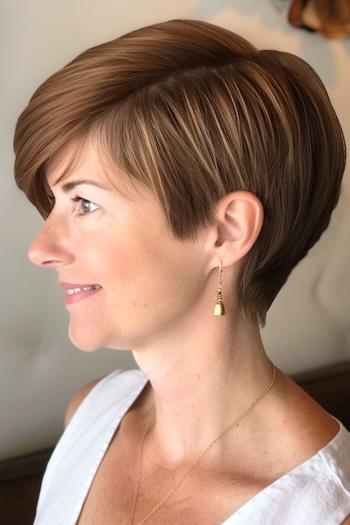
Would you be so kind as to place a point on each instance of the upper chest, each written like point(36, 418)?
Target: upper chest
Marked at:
point(204, 497)
point(198, 500)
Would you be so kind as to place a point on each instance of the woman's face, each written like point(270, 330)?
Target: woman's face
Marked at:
point(149, 280)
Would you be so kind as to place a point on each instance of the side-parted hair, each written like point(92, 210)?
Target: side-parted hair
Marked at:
point(194, 111)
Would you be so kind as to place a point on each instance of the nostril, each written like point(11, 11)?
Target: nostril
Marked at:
point(47, 256)
point(40, 251)
point(39, 257)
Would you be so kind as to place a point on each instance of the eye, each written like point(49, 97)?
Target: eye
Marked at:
point(85, 205)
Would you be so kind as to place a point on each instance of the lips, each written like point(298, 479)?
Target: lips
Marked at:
point(66, 286)
point(77, 294)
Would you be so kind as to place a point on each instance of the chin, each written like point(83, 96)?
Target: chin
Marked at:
point(84, 341)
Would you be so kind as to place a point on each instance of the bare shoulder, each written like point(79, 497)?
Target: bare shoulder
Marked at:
point(346, 521)
point(78, 397)
point(305, 421)
point(289, 429)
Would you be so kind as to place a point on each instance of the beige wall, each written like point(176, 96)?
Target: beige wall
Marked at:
point(308, 324)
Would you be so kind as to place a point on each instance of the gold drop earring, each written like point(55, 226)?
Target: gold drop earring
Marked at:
point(219, 308)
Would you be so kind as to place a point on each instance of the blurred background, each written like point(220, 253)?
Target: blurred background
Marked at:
point(308, 325)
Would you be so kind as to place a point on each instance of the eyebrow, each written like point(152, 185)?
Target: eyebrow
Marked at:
point(66, 188)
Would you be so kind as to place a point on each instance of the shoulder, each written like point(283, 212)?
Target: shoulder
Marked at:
point(310, 427)
point(111, 387)
point(77, 399)
point(346, 521)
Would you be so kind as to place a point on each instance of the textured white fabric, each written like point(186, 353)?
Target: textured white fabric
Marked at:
point(317, 492)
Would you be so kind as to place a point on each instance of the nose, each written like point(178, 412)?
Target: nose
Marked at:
point(47, 248)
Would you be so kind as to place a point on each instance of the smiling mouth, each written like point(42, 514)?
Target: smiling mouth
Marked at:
point(77, 294)
point(78, 289)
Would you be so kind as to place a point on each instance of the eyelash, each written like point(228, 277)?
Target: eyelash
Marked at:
point(80, 199)
point(75, 199)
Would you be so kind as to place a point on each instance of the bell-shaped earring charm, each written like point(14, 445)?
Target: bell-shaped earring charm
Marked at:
point(219, 308)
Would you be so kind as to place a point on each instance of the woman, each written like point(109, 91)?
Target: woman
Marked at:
point(211, 169)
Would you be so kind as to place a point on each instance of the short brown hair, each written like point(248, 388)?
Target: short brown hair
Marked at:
point(195, 112)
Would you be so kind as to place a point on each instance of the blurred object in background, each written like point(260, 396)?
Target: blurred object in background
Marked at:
point(331, 18)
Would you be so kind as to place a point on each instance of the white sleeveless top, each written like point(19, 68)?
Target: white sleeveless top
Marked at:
point(316, 492)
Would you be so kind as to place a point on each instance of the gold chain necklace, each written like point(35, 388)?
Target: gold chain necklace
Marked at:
point(176, 486)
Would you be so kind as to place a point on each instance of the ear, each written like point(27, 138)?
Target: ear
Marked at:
point(239, 218)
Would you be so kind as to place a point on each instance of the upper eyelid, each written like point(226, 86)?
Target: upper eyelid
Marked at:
point(76, 198)
point(79, 200)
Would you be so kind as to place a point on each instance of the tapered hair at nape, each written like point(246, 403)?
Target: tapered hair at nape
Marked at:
point(195, 111)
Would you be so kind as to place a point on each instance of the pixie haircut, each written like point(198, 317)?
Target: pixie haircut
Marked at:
point(194, 111)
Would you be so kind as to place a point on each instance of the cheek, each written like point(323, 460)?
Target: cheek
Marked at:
point(124, 262)
point(143, 269)
point(139, 271)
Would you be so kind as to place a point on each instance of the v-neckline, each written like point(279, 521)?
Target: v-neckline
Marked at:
point(230, 520)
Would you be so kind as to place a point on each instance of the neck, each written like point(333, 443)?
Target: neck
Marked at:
point(200, 386)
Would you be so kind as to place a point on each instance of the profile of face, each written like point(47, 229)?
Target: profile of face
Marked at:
point(149, 280)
